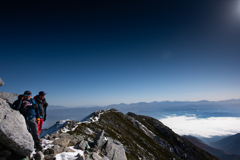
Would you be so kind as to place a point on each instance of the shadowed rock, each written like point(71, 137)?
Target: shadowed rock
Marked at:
point(99, 139)
point(1, 82)
point(82, 145)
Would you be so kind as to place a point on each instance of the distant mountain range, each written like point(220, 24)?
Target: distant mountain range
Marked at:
point(217, 152)
point(203, 109)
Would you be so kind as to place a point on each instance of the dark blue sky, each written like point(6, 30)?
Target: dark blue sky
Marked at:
point(95, 52)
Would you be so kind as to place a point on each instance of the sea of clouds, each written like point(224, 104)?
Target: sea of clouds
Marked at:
point(202, 127)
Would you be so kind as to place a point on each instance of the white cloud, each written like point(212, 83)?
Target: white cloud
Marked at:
point(203, 127)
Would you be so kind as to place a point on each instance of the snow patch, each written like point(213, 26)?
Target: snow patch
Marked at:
point(57, 126)
point(47, 144)
point(76, 126)
point(64, 130)
point(69, 155)
point(90, 131)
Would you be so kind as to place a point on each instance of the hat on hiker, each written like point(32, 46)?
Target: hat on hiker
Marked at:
point(27, 93)
point(42, 93)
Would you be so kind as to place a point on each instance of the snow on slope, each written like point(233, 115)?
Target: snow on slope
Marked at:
point(69, 155)
point(57, 126)
point(63, 127)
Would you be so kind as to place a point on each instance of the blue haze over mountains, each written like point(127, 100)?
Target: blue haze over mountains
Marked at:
point(200, 109)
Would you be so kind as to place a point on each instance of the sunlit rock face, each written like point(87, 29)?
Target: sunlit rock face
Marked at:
point(13, 131)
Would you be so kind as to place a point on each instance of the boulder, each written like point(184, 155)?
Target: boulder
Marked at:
point(115, 150)
point(8, 96)
point(66, 135)
point(66, 149)
point(39, 156)
point(99, 139)
point(95, 156)
point(1, 82)
point(13, 131)
point(57, 149)
point(104, 158)
point(79, 157)
point(62, 142)
point(49, 157)
point(82, 145)
point(75, 141)
point(49, 151)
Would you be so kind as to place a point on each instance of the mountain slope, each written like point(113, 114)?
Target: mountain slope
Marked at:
point(230, 144)
point(217, 152)
point(214, 151)
point(143, 137)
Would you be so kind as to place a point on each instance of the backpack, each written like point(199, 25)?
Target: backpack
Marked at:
point(16, 103)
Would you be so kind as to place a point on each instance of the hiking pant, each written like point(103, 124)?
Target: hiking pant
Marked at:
point(40, 123)
point(33, 129)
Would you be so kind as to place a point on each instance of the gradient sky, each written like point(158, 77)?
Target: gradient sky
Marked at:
point(99, 52)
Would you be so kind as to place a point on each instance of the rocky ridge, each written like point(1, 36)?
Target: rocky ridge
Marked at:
point(142, 137)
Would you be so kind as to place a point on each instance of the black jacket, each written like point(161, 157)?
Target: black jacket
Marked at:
point(42, 107)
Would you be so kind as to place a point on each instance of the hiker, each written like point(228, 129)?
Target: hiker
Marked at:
point(42, 108)
point(28, 109)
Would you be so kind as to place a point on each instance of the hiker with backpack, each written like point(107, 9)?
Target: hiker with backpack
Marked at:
point(42, 109)
point(27, 107)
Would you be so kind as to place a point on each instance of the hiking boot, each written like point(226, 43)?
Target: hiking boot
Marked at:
point(39, 148)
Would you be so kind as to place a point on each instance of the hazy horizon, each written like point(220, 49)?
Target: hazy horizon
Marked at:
point(143, 102)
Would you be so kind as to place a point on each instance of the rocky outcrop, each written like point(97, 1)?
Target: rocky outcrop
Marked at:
point(13, 131)
point(9, 97)
point(99, 149)
point(99, 139)
point(1, 82)
point(115, 150)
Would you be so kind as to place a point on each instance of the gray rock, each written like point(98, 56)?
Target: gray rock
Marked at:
point(75, 141)
point(39, 156)
point(104, 158)
point(95, 156)
point(82, 145)
point(1, 82)
point(8, 96)
point(53, 136)
point(115, 150)
point(57, 149)
point(99, 139)
point(66, 149)
point(62, 142)
point(79, 157)
point(46, 137)
point(13, 131)
point(49, 157)
point(49, 151)
point(66, 135)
